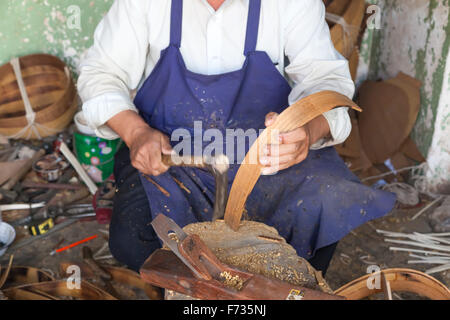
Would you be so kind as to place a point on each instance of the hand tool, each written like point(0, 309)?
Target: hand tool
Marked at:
point(192, 269)
point(56, 186)
point(20, 206)
point(84, 212)
point(41, 226)
point(218, 166)
point(73, 245)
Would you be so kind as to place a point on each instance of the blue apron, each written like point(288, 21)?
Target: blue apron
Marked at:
point(312, 204)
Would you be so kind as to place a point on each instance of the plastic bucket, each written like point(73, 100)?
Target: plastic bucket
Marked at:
point(7, 236)
point(96, 155)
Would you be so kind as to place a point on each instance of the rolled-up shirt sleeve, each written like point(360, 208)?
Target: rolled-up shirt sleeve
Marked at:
point(114, 65)
point(315, 65)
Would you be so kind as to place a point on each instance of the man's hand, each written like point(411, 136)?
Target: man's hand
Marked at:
point(146, 148)
point(145, 143)
point(292, 148)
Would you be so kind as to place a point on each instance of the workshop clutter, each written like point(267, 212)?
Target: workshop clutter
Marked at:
point(345, 19)
point(380, 139)
point(27, 283)
point(95, 154)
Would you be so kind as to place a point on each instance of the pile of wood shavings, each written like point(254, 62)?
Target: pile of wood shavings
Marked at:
point(234, 282)
point(258, 249)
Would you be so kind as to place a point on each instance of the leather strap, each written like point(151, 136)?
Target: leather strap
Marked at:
point(295, 116)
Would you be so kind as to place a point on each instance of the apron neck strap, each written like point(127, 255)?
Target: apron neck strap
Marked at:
point(176, 21)
point(254, 13)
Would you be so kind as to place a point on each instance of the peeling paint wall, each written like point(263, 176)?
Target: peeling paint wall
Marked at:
point(415, 38)
point(439, 154)
point(49, 26)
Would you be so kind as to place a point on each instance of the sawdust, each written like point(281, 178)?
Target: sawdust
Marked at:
point(259, 249)
point(234, 282)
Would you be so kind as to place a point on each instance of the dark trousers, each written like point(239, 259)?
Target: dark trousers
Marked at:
point(131, 236)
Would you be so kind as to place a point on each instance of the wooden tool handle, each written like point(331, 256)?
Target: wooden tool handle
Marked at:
point(184, 161)
point(295, 116)
point(195, 251)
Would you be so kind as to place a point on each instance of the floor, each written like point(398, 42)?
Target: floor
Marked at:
point(364, 247)
point(361, 248)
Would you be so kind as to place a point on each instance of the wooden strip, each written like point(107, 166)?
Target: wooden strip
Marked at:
point(55, 125)
point(293, 117)
point(406, 280)
point(354, 16)
point(28, 72)
point(39, 102)
point(43, 74)
point(338, 7)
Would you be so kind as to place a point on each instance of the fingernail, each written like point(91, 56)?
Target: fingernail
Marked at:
point(264, 161)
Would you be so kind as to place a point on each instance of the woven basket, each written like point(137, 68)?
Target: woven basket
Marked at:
point(352, 11)
point(51, 92)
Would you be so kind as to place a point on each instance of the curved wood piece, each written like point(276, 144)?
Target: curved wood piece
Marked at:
point(293, 117)
point(123, 276)
point(353, 14)
point(26, 275)
point(53, 290)
point(406, 280)
point(51, 92)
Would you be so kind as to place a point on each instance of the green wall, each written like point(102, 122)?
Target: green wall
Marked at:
point(421, 50)
point(46, 26)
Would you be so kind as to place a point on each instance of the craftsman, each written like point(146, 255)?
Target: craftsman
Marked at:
point(230, 64)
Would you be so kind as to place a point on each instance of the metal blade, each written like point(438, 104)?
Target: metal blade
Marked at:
point(163, 227)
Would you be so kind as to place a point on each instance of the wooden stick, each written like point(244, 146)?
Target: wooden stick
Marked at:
point(419, 251)
point(438, 269)
point(164, 191)
point(181, 185)
point(416, 244)
point(78, 168)
point(427, 207)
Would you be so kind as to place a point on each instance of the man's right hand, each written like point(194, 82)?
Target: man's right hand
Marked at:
point(145, 143)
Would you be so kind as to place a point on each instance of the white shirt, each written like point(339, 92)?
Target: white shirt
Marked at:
point(129, 39)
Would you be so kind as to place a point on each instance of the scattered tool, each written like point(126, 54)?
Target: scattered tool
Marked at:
point(40, 227)
point(56, 186)
point(50, 167)
point(72, 245)
point(218, 166)
point(8, 186)
point(192, 269)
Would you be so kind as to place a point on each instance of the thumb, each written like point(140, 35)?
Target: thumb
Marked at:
point(271, 118)
point(166, 148)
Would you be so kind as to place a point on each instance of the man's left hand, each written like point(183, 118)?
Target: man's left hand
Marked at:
point(292, 148)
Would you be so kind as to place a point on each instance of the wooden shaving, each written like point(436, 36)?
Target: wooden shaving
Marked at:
point(231, 281)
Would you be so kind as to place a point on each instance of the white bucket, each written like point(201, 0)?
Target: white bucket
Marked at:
point(7, 236)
